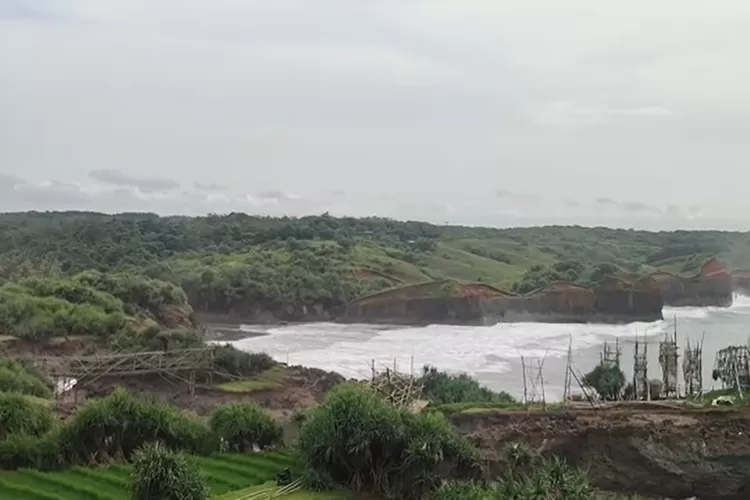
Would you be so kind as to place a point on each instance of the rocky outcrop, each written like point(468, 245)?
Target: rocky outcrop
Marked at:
point(658, 453)
point(712, 286)
point(446, 302)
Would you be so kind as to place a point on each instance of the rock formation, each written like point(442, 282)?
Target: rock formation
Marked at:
point(448, 302)
point(712, 286)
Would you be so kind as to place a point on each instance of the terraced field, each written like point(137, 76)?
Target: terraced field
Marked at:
point(225, 473)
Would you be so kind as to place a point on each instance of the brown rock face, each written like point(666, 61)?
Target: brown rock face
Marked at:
point(612, 302)
point(712, 286)
point(662, 453)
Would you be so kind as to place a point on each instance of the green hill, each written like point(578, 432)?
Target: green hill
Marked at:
point(223, 262)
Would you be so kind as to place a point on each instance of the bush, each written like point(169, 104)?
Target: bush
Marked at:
point(357, 440)
point(243, 426)
point(441, 388)
point(161, 474)
point(22, 451)
point(25, 379)
point(19, 415)
point(115, 426)
point(232, 361)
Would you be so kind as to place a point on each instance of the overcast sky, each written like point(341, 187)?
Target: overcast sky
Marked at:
point(484, 111)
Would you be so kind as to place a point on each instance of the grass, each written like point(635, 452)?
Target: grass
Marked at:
point(489, 407)
point(254, 492)
point(269, 379)
point(224, 473)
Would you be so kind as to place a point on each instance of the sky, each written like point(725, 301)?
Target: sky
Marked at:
point(481, 112)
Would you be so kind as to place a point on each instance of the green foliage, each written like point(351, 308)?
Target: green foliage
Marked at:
point(357, 440)
point(528, 477)
point(19, 377)
point(243, 426)
point(91, 303)
point(240, 263)
point(20, 415)
point(230, 360)
point(442, 388)
point(154, 338)
point(115, 426)
point(608, 381)
point(161, 474)
point(227, 475)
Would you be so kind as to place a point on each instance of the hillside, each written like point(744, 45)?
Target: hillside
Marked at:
point(104, 308)
point(226, 263)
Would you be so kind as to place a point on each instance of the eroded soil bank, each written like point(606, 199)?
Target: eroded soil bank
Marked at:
point(655, 452)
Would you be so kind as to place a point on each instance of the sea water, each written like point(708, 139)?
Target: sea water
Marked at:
point(493, 354)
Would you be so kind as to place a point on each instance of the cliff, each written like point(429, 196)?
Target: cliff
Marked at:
point(712, 286)
point(446, 302)
point(656, 452)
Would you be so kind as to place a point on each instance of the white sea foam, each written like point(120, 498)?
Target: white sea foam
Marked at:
point(492, 353)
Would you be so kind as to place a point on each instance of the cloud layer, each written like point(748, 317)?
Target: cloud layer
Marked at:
point(406, 108)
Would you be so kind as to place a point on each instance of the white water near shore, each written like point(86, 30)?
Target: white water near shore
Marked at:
point(492, 354)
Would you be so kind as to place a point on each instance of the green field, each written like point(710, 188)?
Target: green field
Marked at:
point(224, 473)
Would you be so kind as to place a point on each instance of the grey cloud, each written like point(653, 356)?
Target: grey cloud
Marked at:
point(210, 186)
point(147, 185)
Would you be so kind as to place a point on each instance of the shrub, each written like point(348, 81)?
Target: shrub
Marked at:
point(161, 474)
point(22, 451)
point(25, 379)
point(232, 361)
point(243, 426)
point(528, 477)
point(442, 388)
point(19, 415)
point(357, 440)
point(115, 426)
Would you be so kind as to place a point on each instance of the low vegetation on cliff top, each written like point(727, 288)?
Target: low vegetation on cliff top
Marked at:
point(225, 262)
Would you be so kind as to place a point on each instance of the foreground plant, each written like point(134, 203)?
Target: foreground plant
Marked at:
point(161, 474)
point(355, 439)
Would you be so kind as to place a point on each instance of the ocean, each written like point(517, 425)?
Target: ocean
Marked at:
point(493, 354)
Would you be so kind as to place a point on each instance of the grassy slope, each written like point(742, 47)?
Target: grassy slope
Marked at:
point(225, 473)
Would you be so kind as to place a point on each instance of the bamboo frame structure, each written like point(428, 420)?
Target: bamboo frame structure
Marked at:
point(87, 369)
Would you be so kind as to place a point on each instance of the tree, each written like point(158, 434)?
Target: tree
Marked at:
point(608, 381)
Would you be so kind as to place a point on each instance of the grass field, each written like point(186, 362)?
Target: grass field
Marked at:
point(225, 473)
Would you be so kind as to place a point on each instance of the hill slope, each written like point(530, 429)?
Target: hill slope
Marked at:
point(226, 262)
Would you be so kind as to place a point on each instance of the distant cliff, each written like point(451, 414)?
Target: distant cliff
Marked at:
point(712, 286)
point(447, 302)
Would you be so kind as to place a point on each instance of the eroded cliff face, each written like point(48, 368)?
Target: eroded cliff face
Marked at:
point(654, 452)
point(712, 286)
point(612, 302)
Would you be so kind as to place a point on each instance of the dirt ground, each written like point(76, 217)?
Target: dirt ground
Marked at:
point(297, 388)
point(653, 451)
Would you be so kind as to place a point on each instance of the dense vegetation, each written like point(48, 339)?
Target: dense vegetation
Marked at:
point(89, 303)
point(357, 440)
point(228, 263)
point(441, 388)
